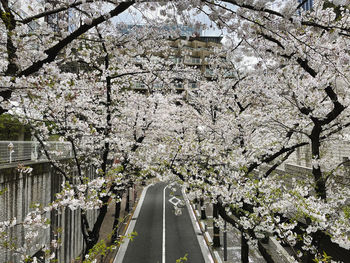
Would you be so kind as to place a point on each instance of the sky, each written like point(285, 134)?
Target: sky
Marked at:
point(136, 16)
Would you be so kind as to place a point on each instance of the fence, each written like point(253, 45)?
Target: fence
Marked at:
point(16, 151)
point(39, 187)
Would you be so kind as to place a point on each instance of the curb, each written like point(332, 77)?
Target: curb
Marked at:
point(126, 227)
point(215, 258)
point(130, 227)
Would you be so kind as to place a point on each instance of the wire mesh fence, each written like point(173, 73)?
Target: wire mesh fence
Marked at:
point(16, 151)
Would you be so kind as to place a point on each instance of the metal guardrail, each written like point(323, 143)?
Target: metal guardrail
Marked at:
point(16, 151)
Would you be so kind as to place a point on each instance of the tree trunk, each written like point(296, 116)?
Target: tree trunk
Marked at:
point(203, 214)
point(316, 169)
point(216, 239)
point(127, 204)
point(320, 182)
point(116, 221)
point(93, 235)
point(244, 249)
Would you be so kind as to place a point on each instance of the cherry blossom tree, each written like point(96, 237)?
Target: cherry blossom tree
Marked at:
point(229, 137)
point(91, 99)
point(295, 96)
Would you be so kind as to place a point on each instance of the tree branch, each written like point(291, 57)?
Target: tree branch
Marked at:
point(53, 51)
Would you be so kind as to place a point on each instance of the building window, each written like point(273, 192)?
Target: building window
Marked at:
point(140, 85)
point(307, 5)
point(193, 60)
point(176, 60)
point(158, 85)
point(209, 72)
point(193, 85)
point(196, 60)
point(178, 85)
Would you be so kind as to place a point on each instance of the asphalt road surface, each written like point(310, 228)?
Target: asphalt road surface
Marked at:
point(162, 235)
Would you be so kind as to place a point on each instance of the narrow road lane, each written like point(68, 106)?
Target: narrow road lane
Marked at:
point(147, 246)
point(180, 237)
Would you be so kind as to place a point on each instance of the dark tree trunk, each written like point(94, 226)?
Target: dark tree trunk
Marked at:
point(316, 169)
point(203, 214)
point(127, 204)
point(116, 221)
point(320, 182)
point(92, 236)
point(216, 239)
point(244, 249)
point(12, 68)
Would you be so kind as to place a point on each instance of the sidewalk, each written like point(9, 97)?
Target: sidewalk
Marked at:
point(107, 227)
point(233, 240)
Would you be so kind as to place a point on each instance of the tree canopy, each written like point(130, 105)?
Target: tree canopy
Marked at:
point(66, 69)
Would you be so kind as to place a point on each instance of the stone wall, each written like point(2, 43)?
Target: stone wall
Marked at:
point(22, 191)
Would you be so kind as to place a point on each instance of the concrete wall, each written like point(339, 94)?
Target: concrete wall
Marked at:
point(38, 187)
point(335, 151)
point(304, 172)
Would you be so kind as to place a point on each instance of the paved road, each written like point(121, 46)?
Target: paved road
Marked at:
point(180, 237)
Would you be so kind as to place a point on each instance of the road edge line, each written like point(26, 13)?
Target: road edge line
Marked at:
point(131, 225)
point(164, 236)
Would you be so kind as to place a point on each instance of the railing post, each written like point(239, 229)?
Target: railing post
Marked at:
point(135, 194)
point(11, 151)
point(216, 229)
point(225, 242)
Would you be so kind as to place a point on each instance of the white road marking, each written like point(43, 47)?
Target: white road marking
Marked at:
point(122, 249)
point(163, 240)
point(174, 200)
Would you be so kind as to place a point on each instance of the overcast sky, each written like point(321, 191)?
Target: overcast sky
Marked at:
point(133, 16)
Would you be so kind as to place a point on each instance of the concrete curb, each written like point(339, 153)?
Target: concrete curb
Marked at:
point(130, 226)
point(204, 238)
point(208, 239)
point(282, 253)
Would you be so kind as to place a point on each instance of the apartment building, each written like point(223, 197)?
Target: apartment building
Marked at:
point(67, 16)
point(28, 8)
point(187, 52)
point(307, 5)
point(190, 49)
point(195, 52)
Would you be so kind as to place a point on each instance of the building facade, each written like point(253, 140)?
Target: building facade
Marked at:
point(195, 52)
point(307, 5)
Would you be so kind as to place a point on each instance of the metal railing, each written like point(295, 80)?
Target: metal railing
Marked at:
point(17, 151)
